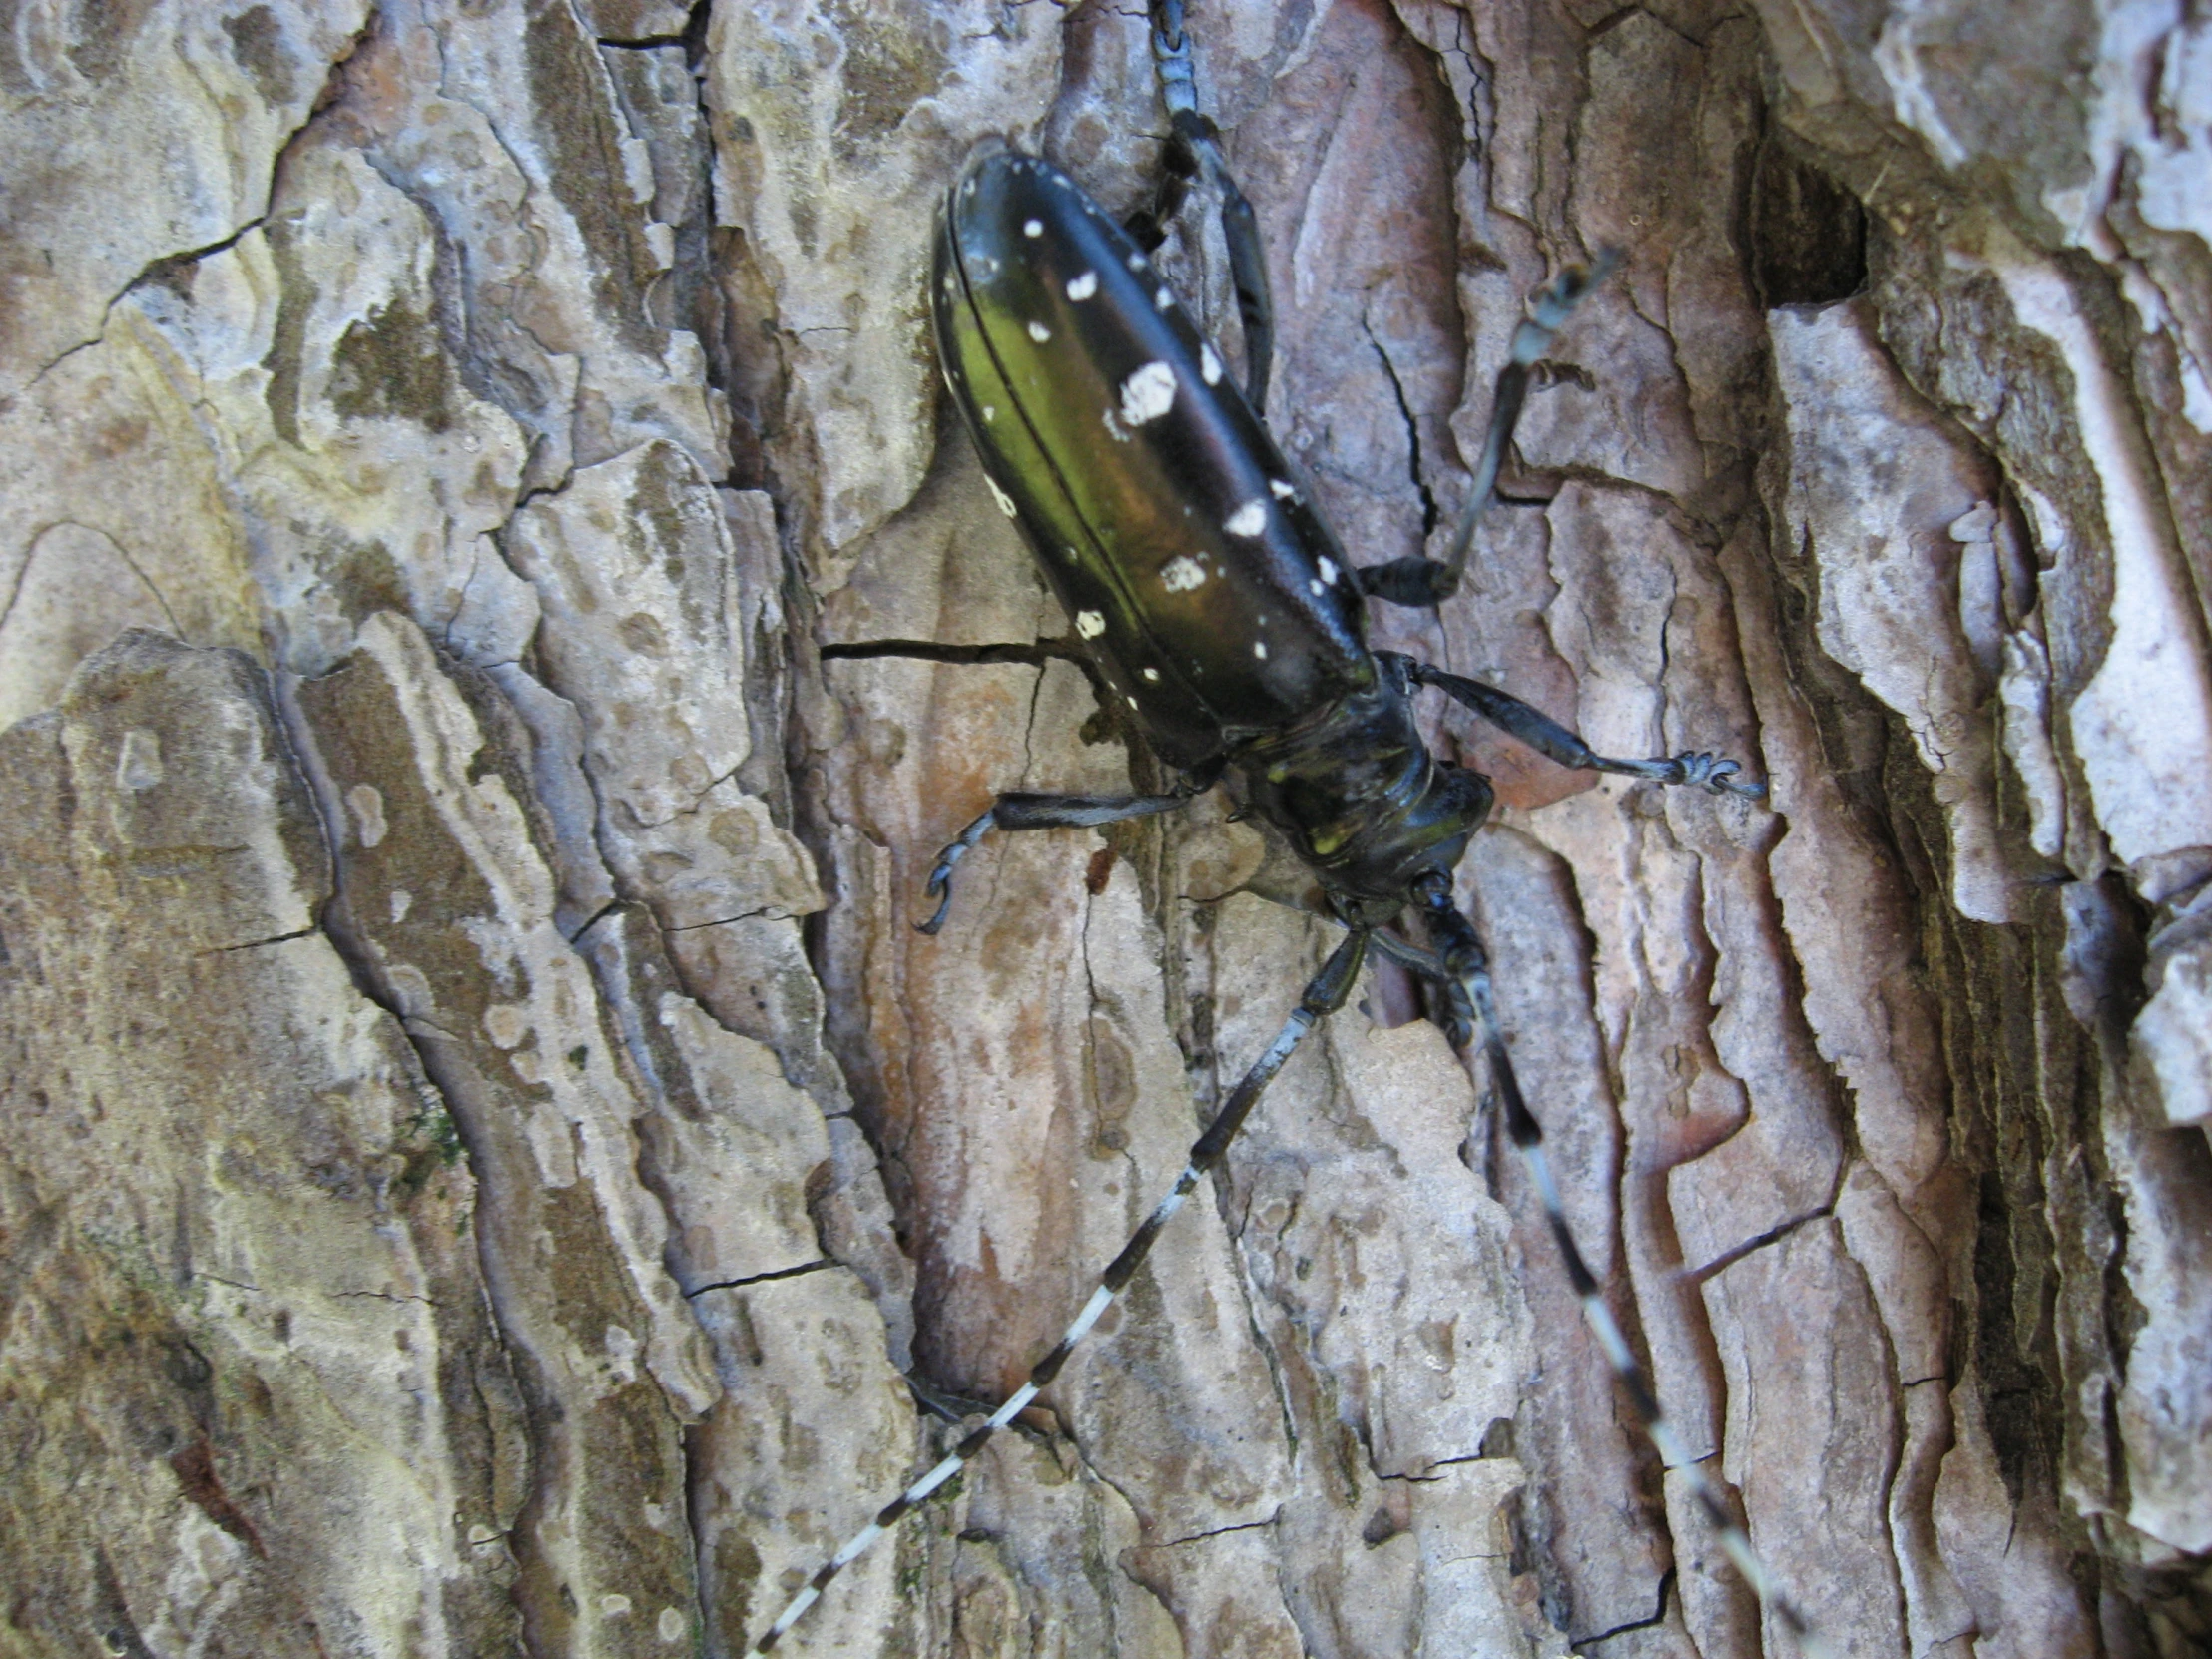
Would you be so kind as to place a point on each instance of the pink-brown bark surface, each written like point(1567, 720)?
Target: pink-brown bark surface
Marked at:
point(497, 616)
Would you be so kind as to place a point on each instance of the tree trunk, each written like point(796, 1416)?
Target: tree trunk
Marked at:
point(497, 620)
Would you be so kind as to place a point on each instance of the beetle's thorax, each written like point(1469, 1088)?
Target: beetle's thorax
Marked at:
point(1366, 805)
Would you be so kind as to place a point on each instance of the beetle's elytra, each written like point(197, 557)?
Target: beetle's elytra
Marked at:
point(1216, 604)
point(1153, 496)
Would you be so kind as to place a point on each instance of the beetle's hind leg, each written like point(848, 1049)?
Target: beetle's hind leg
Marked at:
point(1422, 582)
point(1712, 773)
point(1053, 811)
point(1194, 147)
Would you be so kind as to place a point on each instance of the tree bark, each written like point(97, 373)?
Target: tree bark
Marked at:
point(497, 620)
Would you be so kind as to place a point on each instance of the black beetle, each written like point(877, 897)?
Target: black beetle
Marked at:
point(1216, 605)
point(1210, 596)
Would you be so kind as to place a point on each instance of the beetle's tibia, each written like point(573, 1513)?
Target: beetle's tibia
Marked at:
point(1195, 148)
point(1715, 774)
point(1548, 309)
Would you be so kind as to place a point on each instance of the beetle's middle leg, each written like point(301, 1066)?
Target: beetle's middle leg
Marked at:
point(1548, 737)
point(1019, 811)
point(1194, 147)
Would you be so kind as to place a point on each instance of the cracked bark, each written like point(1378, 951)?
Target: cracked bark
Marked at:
point(447, 1081)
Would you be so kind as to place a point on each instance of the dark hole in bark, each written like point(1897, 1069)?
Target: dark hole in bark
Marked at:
point(1808, 234)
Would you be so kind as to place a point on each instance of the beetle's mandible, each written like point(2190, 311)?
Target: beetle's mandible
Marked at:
point(1217, 609)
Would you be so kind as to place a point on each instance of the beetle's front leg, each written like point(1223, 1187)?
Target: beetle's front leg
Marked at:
point(1018, 811)
point(1458, 1018)
point(940, 877)
point(1547, 737)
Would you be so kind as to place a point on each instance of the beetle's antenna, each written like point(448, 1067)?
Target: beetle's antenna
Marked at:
point(1325, 993)
point(1462, 956)
point(1548, 309)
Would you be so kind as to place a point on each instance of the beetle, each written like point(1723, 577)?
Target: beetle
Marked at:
point(1216, 606)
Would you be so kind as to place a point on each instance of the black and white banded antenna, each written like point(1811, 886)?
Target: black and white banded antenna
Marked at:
point(1459, 962)
point(1464, 963)
point(1325, 994)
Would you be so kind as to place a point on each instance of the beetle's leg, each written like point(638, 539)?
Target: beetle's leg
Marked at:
point(1458, 1018)
point(1422, 582)
point(1411, 957)
point(940, 879)
point(1325, 994)
point(1460, 948)
point(1194, 147)
point(1179, 165)
point(1547, 737)
point(1053, 811)
point(943, 1404)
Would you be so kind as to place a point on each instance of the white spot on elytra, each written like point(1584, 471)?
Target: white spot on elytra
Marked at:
point(1133, 703)
point(1148, 393)
point(1151, 674)
point(1282, 490)
point(1260, 648)
point(1039, 332)
point(1033, 228)
point(1328, 570)
point(1005, 501)
point(990, 413)
point(1315, 584)
point(1136, 262)
point(1247, 520)
point(1182, 573)
point(1114, 425)
point(1162, 300)
point(1089, 624)
point(1209, 365)
point(1084, 287)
